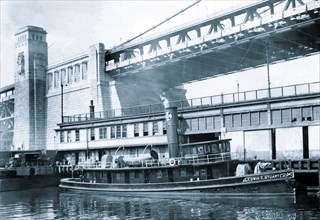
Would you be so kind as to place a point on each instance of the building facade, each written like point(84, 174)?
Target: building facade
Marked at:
point(75, 107)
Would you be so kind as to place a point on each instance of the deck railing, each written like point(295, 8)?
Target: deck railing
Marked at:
point(191, 160)
point(216, 100)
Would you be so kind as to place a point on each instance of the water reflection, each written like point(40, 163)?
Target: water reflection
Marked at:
point(52, 203)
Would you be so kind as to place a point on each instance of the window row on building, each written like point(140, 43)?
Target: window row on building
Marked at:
point(255, 118)
point(69, 75)
point(114, 132)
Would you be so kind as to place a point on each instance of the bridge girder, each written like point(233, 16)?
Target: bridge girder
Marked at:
point(224, 49)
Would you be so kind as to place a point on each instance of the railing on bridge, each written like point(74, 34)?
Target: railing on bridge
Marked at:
point(216, 100)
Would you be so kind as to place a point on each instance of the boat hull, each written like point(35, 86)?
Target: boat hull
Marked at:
point(28, 182)
point(275, 183)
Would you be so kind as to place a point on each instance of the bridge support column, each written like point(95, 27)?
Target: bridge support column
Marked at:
point(318, 194)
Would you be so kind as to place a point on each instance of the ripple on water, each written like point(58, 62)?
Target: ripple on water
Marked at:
point(52, 203)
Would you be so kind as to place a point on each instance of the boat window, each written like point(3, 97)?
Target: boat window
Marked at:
point(136, 174)
point(136, 130)
point(164, 127)
point(200, 149)
point(124, 131)
point(183, 173)
point(145, 129)
point(118, 128)
point(113, 132)
point(92, 135)
point(61, 136)
point(155, 128)
point(132, 152)
point(118, 176)
point(103, 133)
point(69, 136)
point(215, 148)
point(194, 150)
point(203, 171)
point(228, 146)
point(159, 174)
point(77, 135)
point(206, 148)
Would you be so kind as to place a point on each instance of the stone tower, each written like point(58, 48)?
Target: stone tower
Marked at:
point(30, 88)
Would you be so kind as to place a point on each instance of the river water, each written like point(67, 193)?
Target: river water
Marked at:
point(55, 203)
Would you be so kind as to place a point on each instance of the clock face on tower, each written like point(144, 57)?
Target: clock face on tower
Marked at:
point(20, 63)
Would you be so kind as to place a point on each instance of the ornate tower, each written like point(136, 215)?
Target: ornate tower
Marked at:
point(30, 88)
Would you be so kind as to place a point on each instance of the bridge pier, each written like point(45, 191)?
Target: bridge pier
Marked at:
point(318, 193)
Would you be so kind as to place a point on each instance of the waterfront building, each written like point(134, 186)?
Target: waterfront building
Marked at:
point(79, 107)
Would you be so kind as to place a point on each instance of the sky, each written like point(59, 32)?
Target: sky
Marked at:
point(73, 26)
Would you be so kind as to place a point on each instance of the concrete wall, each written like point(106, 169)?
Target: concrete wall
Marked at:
point(236, 144)
point(30, 88)
point(258, 144)
point(74, 101)
point(314, 142)
point(289, 143)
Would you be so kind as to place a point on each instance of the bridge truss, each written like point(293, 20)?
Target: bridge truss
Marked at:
point(6, 118)
point(222, 43)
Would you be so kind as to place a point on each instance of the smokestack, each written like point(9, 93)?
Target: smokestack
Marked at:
point(91, 108)
point(172, 134)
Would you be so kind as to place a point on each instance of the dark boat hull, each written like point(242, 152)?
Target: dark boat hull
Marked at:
point(275, 183)
point(29, 182)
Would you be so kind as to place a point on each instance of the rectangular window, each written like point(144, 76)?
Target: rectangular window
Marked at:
point(50, 78)
point(113, 132)
point(77, 135)
point(124, 131)
point(103, 133)
point(84, 70)
point(145, 129)
point(164, 127)
point(137, 174)
point(69, 136)
point(92, 135)
point(183, 173)
point(118, 130)
point(136, 130)
point(61, 136)
point(63, 77)
point(76, 73)
point(159, 174)
point(70, 74)
point(56, 79)
point(132, 152)
point(155, 128)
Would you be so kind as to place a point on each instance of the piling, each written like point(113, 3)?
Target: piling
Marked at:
point(318, 194)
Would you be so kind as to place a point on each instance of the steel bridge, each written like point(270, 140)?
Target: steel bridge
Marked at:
point(6, 117)
point(269, 31)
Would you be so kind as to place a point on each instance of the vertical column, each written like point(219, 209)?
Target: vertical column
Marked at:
point(318, 194)
point(172, 134)
point(171, 114)
point(99, 81)
point(305, 142)
point(30, 89)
